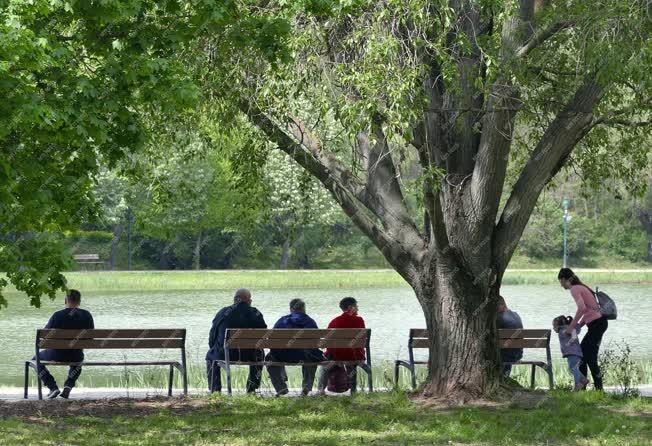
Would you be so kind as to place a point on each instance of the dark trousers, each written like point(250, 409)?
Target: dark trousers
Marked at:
point(215, 377)
point(279, 377)
point(47, 378)
point(590, 348)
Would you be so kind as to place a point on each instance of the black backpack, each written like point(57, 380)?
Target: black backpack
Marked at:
point(607, 305)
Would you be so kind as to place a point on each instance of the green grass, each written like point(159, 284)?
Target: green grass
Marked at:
point(230, 279)
point(383, 376)
point(587, 418)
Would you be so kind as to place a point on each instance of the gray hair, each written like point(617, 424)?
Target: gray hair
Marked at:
point(297, 305)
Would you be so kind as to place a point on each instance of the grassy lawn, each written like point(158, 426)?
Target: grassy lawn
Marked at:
point(269, 279)
point(587, 418)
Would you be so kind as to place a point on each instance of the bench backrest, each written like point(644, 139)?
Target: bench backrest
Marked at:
point(58, 338)
point(86, 257)
point(288, 338)
point(507, 338)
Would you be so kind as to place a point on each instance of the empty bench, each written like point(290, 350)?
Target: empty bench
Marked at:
point(507, 338)
point(287, 338)
point(88, 259)
point(122, 339)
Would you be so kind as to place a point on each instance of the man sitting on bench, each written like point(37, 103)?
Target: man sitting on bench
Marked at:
point(506, 318)
point(239, 315)
point(296, 319)
point(74, 318)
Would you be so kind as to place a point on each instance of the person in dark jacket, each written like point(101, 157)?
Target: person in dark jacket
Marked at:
point(74, 318)
point(506, 318)
point(239, 315)
point(296, 319)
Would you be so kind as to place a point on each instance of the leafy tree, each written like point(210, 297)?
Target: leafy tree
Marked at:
point(491, 97)
point(79, 79)
point(297, 203)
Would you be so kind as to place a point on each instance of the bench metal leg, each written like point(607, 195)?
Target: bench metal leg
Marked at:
point(534, 369)
point(367, 369)
point(26, 379)
point(551, 382)
point(228, 379)
point(40, 385)
point(170, 378)
point(413, 374)
point(396, 366)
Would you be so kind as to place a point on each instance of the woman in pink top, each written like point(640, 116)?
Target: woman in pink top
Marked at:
point(588, 313)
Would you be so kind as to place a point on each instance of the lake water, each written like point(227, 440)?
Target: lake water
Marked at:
point(388, 312)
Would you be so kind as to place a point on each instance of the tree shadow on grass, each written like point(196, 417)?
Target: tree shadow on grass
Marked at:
point(382, 418)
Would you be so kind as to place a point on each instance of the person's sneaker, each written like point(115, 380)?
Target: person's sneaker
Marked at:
point(282, 392)
point(66, 392)
point(53, 393)
point(582, 384)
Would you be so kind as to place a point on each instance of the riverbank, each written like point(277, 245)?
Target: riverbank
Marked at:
point(293, 279)
point(558, 417)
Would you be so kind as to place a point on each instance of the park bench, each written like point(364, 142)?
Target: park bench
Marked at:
point(519, 338)
point(88, 259)
point(285, 338)
point(123, 339)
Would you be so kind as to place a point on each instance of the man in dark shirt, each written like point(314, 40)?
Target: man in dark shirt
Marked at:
point(239, 315)
point(506, 318)
point(74, 318)
point(297, 319)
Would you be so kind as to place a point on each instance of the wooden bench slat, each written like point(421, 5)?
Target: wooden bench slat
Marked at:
point(522, 333)
point(295, 343)
point(291, 333)
point(274, 363)
point(75, 344)
point(420, 343)
point(108, 363)
point(129, 333)
point(418, 332)
point(523, 343)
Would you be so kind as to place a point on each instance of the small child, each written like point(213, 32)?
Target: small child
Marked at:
point(570, 349)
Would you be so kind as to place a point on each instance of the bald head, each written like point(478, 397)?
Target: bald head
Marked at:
point(242, 295)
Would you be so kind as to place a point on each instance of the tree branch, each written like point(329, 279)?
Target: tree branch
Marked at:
point(540, 37)
point(401, 246)
point(568, 127)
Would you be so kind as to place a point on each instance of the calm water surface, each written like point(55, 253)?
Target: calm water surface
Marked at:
point(388, 312)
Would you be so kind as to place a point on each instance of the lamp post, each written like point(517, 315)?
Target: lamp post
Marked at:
point(565, 204)
point(129, 220)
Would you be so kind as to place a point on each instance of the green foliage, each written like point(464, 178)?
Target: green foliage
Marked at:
point(80, 82)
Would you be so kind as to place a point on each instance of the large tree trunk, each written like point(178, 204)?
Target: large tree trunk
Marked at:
point(460, 315)
point(117, 232)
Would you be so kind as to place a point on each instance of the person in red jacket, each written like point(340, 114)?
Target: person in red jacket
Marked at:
point(348, 319)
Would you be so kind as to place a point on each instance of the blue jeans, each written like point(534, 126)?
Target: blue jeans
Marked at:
point(574, 367)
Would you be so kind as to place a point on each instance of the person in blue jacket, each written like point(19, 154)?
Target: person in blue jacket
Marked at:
point(74, 318)
point(239, 315)
point(296, 319)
